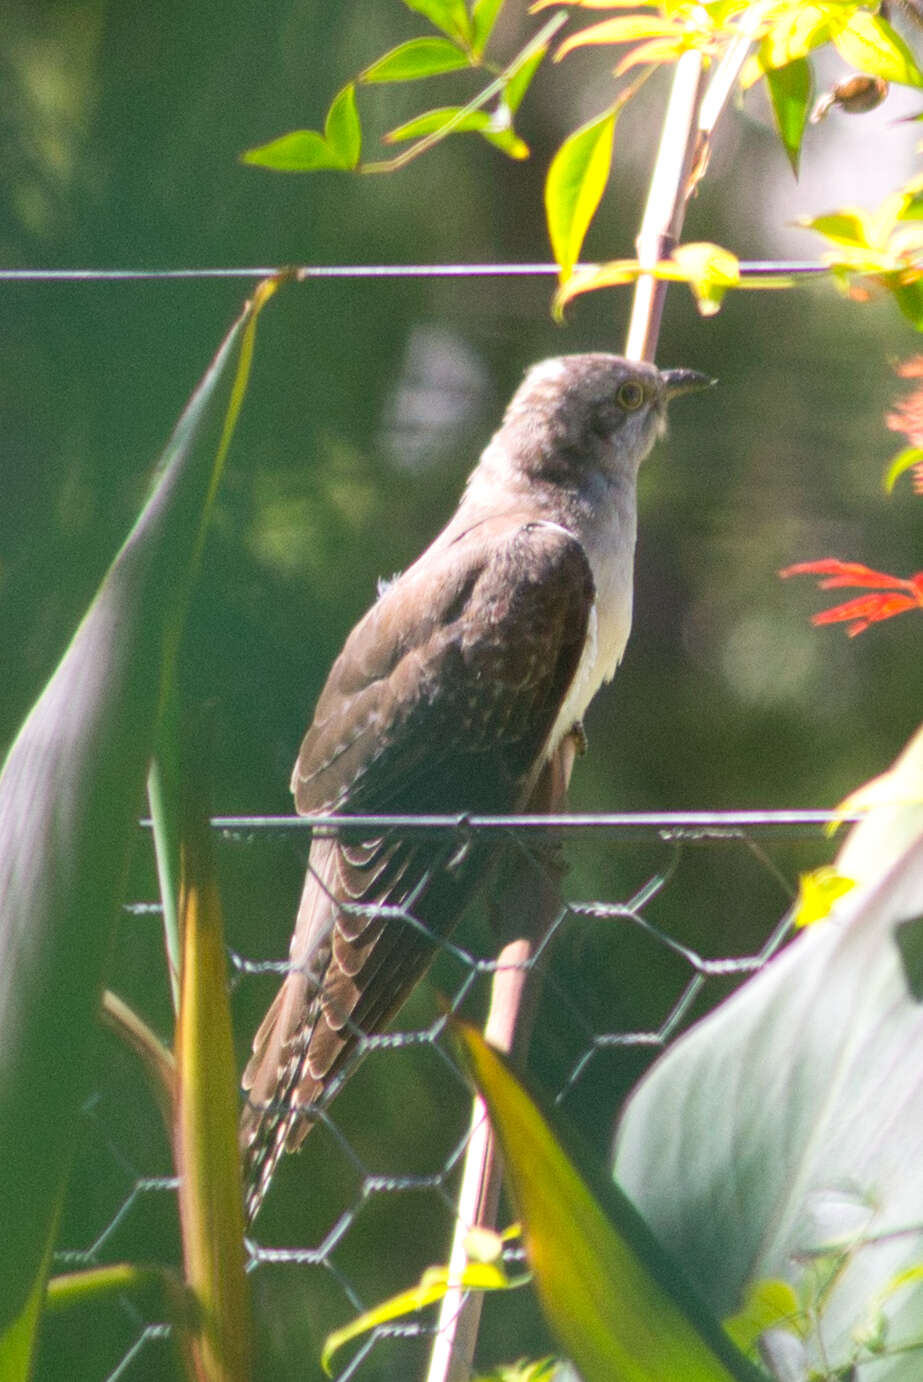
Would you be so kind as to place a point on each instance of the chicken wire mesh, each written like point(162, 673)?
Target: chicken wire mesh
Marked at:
point(652, 920)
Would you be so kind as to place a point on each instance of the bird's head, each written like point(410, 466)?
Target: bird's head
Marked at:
point(598, 409)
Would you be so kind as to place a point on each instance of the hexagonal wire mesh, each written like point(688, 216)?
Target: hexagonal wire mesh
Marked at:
point(621, 962)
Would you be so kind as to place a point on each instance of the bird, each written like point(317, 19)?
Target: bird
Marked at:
point(449, 697)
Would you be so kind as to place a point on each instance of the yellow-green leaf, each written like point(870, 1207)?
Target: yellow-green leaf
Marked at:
point(624, 30)
point(617, 1305)
point(817, 892)
point(790, 93)
point(614, 274)
point(656, 50)
point(451, 16)
point(205, 1137)
point(869, 43)
point(708, 269)
point(903, 461)
point(907, 291)
point(299, 151)
point(769, 1304)
point(483, 17)
point(432, 120)
point(846, 227)
point(432, 1286)
point(574, 187)
point(421, 57)
point(799, 30)
point(519, 82)
point(342, 130)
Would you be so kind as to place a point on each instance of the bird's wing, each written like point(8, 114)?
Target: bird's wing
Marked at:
point(442, 701)
point(466, 656)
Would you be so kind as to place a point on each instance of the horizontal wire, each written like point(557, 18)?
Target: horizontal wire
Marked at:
point(671, 825)
point(763, 268)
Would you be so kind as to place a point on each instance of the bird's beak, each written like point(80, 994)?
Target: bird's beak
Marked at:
point(679, 381)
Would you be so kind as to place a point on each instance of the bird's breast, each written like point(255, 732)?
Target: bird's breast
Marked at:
point(611, 558)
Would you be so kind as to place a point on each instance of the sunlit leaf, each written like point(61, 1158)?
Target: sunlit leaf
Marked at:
point(300, 151)
point(508, 142)
point(869, 43)
point(844, 227)
point(472, 122)
point(483, 17)
point(432, 1287)
point(205, 1136)
point(628, 29)
point(18, 1331)
point(614, 274)
point(908, 294)
point(574, 186)
point(618, 1306)
point(432, 120)
point(799, 30)
point(342, 130)
point(451, 16)
point(790, 93)
point(656, 50)
point(421, 57)
point(817, 892)
point(709, 270)
point(519, 83)
point(903, 461)
point(767, 1305)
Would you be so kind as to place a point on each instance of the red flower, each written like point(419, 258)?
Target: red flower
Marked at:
point(865, 609)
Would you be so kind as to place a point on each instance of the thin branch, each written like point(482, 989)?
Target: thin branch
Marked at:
point(666, 204)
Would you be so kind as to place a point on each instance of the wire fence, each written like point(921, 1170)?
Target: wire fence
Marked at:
point(658, 918)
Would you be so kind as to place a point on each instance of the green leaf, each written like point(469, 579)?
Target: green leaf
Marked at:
point(842, 227)
point(767, 1305)
point(18, 1331)
point(621, 30)
point(483, 17)
point(618, 1306)
point(421, 57)
point(784, 1130)
point(869, 43)
point(308, 151)
point(790, 92)
point(300, 151)
point(451, 16)
point(909, 297)
point(508, 142)
point(574, 187)
point(473, 122)
point(342, 130)
point(432, 120)
point(902, 462)
point(205, 1127)
point(519, 83)
point(69, 796)
point(708, 269)
point(432, 1287)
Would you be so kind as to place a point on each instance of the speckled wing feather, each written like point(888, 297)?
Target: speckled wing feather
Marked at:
point(442, 701)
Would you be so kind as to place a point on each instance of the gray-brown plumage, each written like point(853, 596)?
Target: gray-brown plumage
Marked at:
point(449, 696)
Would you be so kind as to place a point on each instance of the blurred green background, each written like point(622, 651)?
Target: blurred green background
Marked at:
point(121, 126)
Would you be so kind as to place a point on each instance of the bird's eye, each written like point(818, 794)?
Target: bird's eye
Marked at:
point(630, 395)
